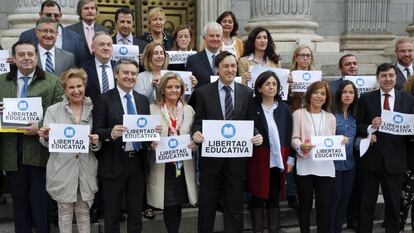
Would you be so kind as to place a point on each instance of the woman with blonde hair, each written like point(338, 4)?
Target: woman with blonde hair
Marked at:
point(156, 23)
point(171, 185)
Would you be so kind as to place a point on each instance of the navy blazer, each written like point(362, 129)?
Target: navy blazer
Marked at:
point(70, 42)
point(199, 65)
point(93, 89)
point(108, 112)
point(389, 149)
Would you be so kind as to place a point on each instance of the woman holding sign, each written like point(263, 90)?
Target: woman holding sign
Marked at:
point(312, 176)
point(183, 41)
point(346, 102)
point(267, 165)
point(155, 60)
point(259, 50)
point(71, 177)
point(170, 185)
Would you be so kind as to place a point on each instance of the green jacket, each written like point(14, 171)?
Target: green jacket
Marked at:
point(45, 85)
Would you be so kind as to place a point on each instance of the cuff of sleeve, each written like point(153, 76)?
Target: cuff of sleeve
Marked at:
point(291, 160)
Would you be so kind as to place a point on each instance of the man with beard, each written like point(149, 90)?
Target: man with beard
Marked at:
point(404, 52)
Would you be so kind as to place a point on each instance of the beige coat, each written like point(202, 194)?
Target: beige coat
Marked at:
point(155, 186)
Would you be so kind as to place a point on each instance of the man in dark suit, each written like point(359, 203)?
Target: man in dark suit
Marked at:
point(66, 39)
point(211, 105)
point(100, 80)
point(121, 165)
point(202, 63)
point(22, 157)
point(51, 58)
point(87, 27)
point(404, 52)
point(385, 161)
point(348, 66)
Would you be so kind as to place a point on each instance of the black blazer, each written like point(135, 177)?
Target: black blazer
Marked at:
point(93, 89)
point(199, 65)
point(400, 78)
point(70, 42)
point(107, 113)
point(390, 148)
point(78, 28)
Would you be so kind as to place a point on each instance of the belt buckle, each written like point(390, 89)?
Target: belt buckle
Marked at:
point(131, 154)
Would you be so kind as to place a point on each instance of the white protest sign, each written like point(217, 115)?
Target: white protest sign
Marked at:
point(172, 149)
point(22, 110)
point(328, 148)
point(185, 76)
point(214, 78)
point(179, 57)
point(396, 123)
point(4, 65)
point(303, 78)
point(363, 83)
point(69, 138)
point(125, 51)
point(141, 128)
point(282, 74)
point(227, 139)
point(366, 142)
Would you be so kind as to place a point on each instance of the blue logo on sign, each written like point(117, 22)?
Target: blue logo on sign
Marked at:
point(360, 82)
point(23, 105)
point(69, 132)
point(172, 143)
point(306, 76)
point(141, 122)
point(123, 50)
point(228, 131)
point(398, 119)
point(328, 142)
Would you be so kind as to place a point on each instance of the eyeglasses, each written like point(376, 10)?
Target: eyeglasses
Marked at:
point(46, 31)
point(56, 15)
point(303, 55)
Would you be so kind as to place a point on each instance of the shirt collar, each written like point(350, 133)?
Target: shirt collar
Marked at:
point(391, 93)
point(42, 51)
point(122, 93)
point(221, 85)
point(402, 68)
point(119, 37)
point(85, 25)
point(253, 58)
point(31, 75)
point(209, 53)
point(98, 63)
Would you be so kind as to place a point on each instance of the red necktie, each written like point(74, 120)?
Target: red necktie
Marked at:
point(386, 103)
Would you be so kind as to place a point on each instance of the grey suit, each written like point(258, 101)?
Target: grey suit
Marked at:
point(63, 61)
point(400, 78)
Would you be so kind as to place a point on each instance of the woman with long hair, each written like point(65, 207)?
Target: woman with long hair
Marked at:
point(231, 43)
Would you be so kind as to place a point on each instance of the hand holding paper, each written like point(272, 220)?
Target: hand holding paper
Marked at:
point(117, 131)
point(32, 129)
point(44, 133)
point(376, 122)
point(94, 139)
point(257, 140)
point(198, 137)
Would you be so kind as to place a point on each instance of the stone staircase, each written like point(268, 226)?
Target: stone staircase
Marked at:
point(288, 218)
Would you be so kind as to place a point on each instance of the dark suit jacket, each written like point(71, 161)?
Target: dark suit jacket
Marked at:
point(78, 28)
point(70, 42)
point(107, 113)
point(200, 66)
point(390, 148)
point(93, 89)
point(400, 78)
point(141, 43)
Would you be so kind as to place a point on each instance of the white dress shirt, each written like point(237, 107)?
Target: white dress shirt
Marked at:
point(274, 138)
point(402, 69)
point(20, 81)
point(122, 93)
point(129, 37)
point(222, 94)
point(42, 55)
point(210, 56)
point(109, 72)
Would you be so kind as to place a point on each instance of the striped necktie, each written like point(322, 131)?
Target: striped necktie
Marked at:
point(49, 63)
point(105, 81)
point(228, 104)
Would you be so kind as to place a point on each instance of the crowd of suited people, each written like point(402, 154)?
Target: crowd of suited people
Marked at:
point(71, 69)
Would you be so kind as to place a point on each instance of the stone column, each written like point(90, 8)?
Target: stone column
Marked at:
point(410, 28)
point(286, 20)
point(368, 26)
point(27, 12)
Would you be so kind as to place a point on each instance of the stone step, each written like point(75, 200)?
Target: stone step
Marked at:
point(288, 219)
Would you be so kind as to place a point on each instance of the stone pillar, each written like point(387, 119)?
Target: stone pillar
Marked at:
point(209, 10)
point(26, 14)
point(410, 28)
point(286, 20)
point(368, 26)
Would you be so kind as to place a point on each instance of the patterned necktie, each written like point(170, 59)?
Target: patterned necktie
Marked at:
point(408, 72)
point(49, 63)
point(23, 92)
point(89, 37)
point(228, 104)
point(124, 40)
point(386, 102)
point(131, 111)
point(105, 81)
point(213, 58)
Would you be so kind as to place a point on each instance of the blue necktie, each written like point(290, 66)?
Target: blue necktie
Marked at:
point(49, 64)
point(23, 92)
point(131, 111)
point(105, 82)
point(228, 104)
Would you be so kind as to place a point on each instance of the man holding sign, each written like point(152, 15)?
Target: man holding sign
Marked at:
point(215, 101)
point(21, 155)
point(121, 164)
point(385, 160)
